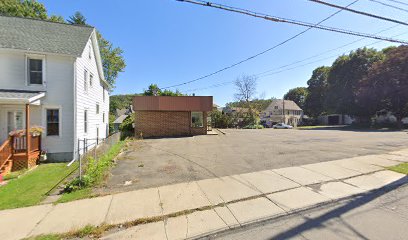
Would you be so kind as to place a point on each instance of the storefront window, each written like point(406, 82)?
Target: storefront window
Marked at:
point(197, 119)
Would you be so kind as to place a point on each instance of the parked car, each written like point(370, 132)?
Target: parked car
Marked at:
point(282, 126)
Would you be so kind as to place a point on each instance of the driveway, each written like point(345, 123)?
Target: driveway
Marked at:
point(155, 162)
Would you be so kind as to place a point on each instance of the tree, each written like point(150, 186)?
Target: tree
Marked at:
point(120, 101)
point(77, 18)
point(386, 84)
point(113, 61)
point(23, 8)
point(246, 90)
point(343, 80)
point(55, 18)
point(298, 95)
point(154, 90)
point(317, 88)
point(219, 120)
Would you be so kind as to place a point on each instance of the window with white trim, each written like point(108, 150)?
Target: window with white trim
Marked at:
point(53, 122)
point(86, 121)
point(90, 79)
point(35, 71)
point(89, 51)
point(103, 117)
point(97, 108)
point(85, 80)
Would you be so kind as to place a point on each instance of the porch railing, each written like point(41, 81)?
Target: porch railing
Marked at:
point(6, 152)
point(20, 144)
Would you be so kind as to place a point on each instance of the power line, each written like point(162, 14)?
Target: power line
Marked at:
point(360, 12)
point(331, 50)
point(403, 3)
point(259, 54)
point(291, 21)
point(247, 12)
point(389, 5)
point(288, 69)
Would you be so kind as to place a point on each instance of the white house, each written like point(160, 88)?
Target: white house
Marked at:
point(282, 111)
point(51, 76)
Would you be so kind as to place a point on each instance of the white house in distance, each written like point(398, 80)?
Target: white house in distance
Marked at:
point(282, 111)
point(51, 75)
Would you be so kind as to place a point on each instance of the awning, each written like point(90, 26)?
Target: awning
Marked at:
point(8, 96)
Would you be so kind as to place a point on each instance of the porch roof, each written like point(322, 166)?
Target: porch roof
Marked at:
point(8, 96)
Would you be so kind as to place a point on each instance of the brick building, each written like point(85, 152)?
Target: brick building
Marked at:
point(163, 116)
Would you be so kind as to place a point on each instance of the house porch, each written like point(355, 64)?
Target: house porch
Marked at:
point(17, 151)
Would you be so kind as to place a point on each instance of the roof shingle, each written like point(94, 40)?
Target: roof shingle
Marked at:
point(43, 36)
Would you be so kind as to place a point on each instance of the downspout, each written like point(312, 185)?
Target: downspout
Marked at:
point(76, 147)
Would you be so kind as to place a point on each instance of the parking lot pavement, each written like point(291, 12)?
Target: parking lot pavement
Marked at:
point(156, 162)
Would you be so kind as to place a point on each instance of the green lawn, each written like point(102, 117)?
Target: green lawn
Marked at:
point(30, 188)
point(401, 168)
point(75, 195)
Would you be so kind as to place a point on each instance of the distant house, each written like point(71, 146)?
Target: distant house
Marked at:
point(52, 77)
point(335, 119)
point(121, 115)
point(164, 116)
point(387, 117)
point(217, 107)
point(279, 111)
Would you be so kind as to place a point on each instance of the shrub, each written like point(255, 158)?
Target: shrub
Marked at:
point(126, 127)
point(252, 126)
point(96, 170)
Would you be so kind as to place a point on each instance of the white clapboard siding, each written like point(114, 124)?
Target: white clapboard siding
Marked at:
point(87, 99)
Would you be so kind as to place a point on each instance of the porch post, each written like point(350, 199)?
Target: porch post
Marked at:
point(28, 138)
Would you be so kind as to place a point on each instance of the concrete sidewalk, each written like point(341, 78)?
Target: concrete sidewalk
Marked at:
point(206, 206)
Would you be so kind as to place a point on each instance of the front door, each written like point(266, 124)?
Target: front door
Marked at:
point(14, 120)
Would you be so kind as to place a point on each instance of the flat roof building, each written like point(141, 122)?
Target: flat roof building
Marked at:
point(168, 116)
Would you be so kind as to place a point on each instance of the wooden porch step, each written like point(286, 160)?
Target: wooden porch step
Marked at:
point(6, 168)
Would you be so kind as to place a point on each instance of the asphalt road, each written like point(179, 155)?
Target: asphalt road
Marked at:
point(379, 215)
point(155, 162)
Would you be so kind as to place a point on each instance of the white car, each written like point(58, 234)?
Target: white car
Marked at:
point(282, 126)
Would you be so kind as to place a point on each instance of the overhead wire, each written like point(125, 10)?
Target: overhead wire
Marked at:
point(359, 12)
point(260, 53)
point(267, 17)
point(283, 70)
point(389, 5)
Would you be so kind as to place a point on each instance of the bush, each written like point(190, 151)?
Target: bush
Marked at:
point(96, 170)
point(219, 120)
point(252, 126)
point(126, 127)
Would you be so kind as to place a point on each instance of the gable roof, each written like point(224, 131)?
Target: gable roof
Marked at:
point(289, 105)
point(43, 36)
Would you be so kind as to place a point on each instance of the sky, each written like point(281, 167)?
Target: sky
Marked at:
point(167, 42)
